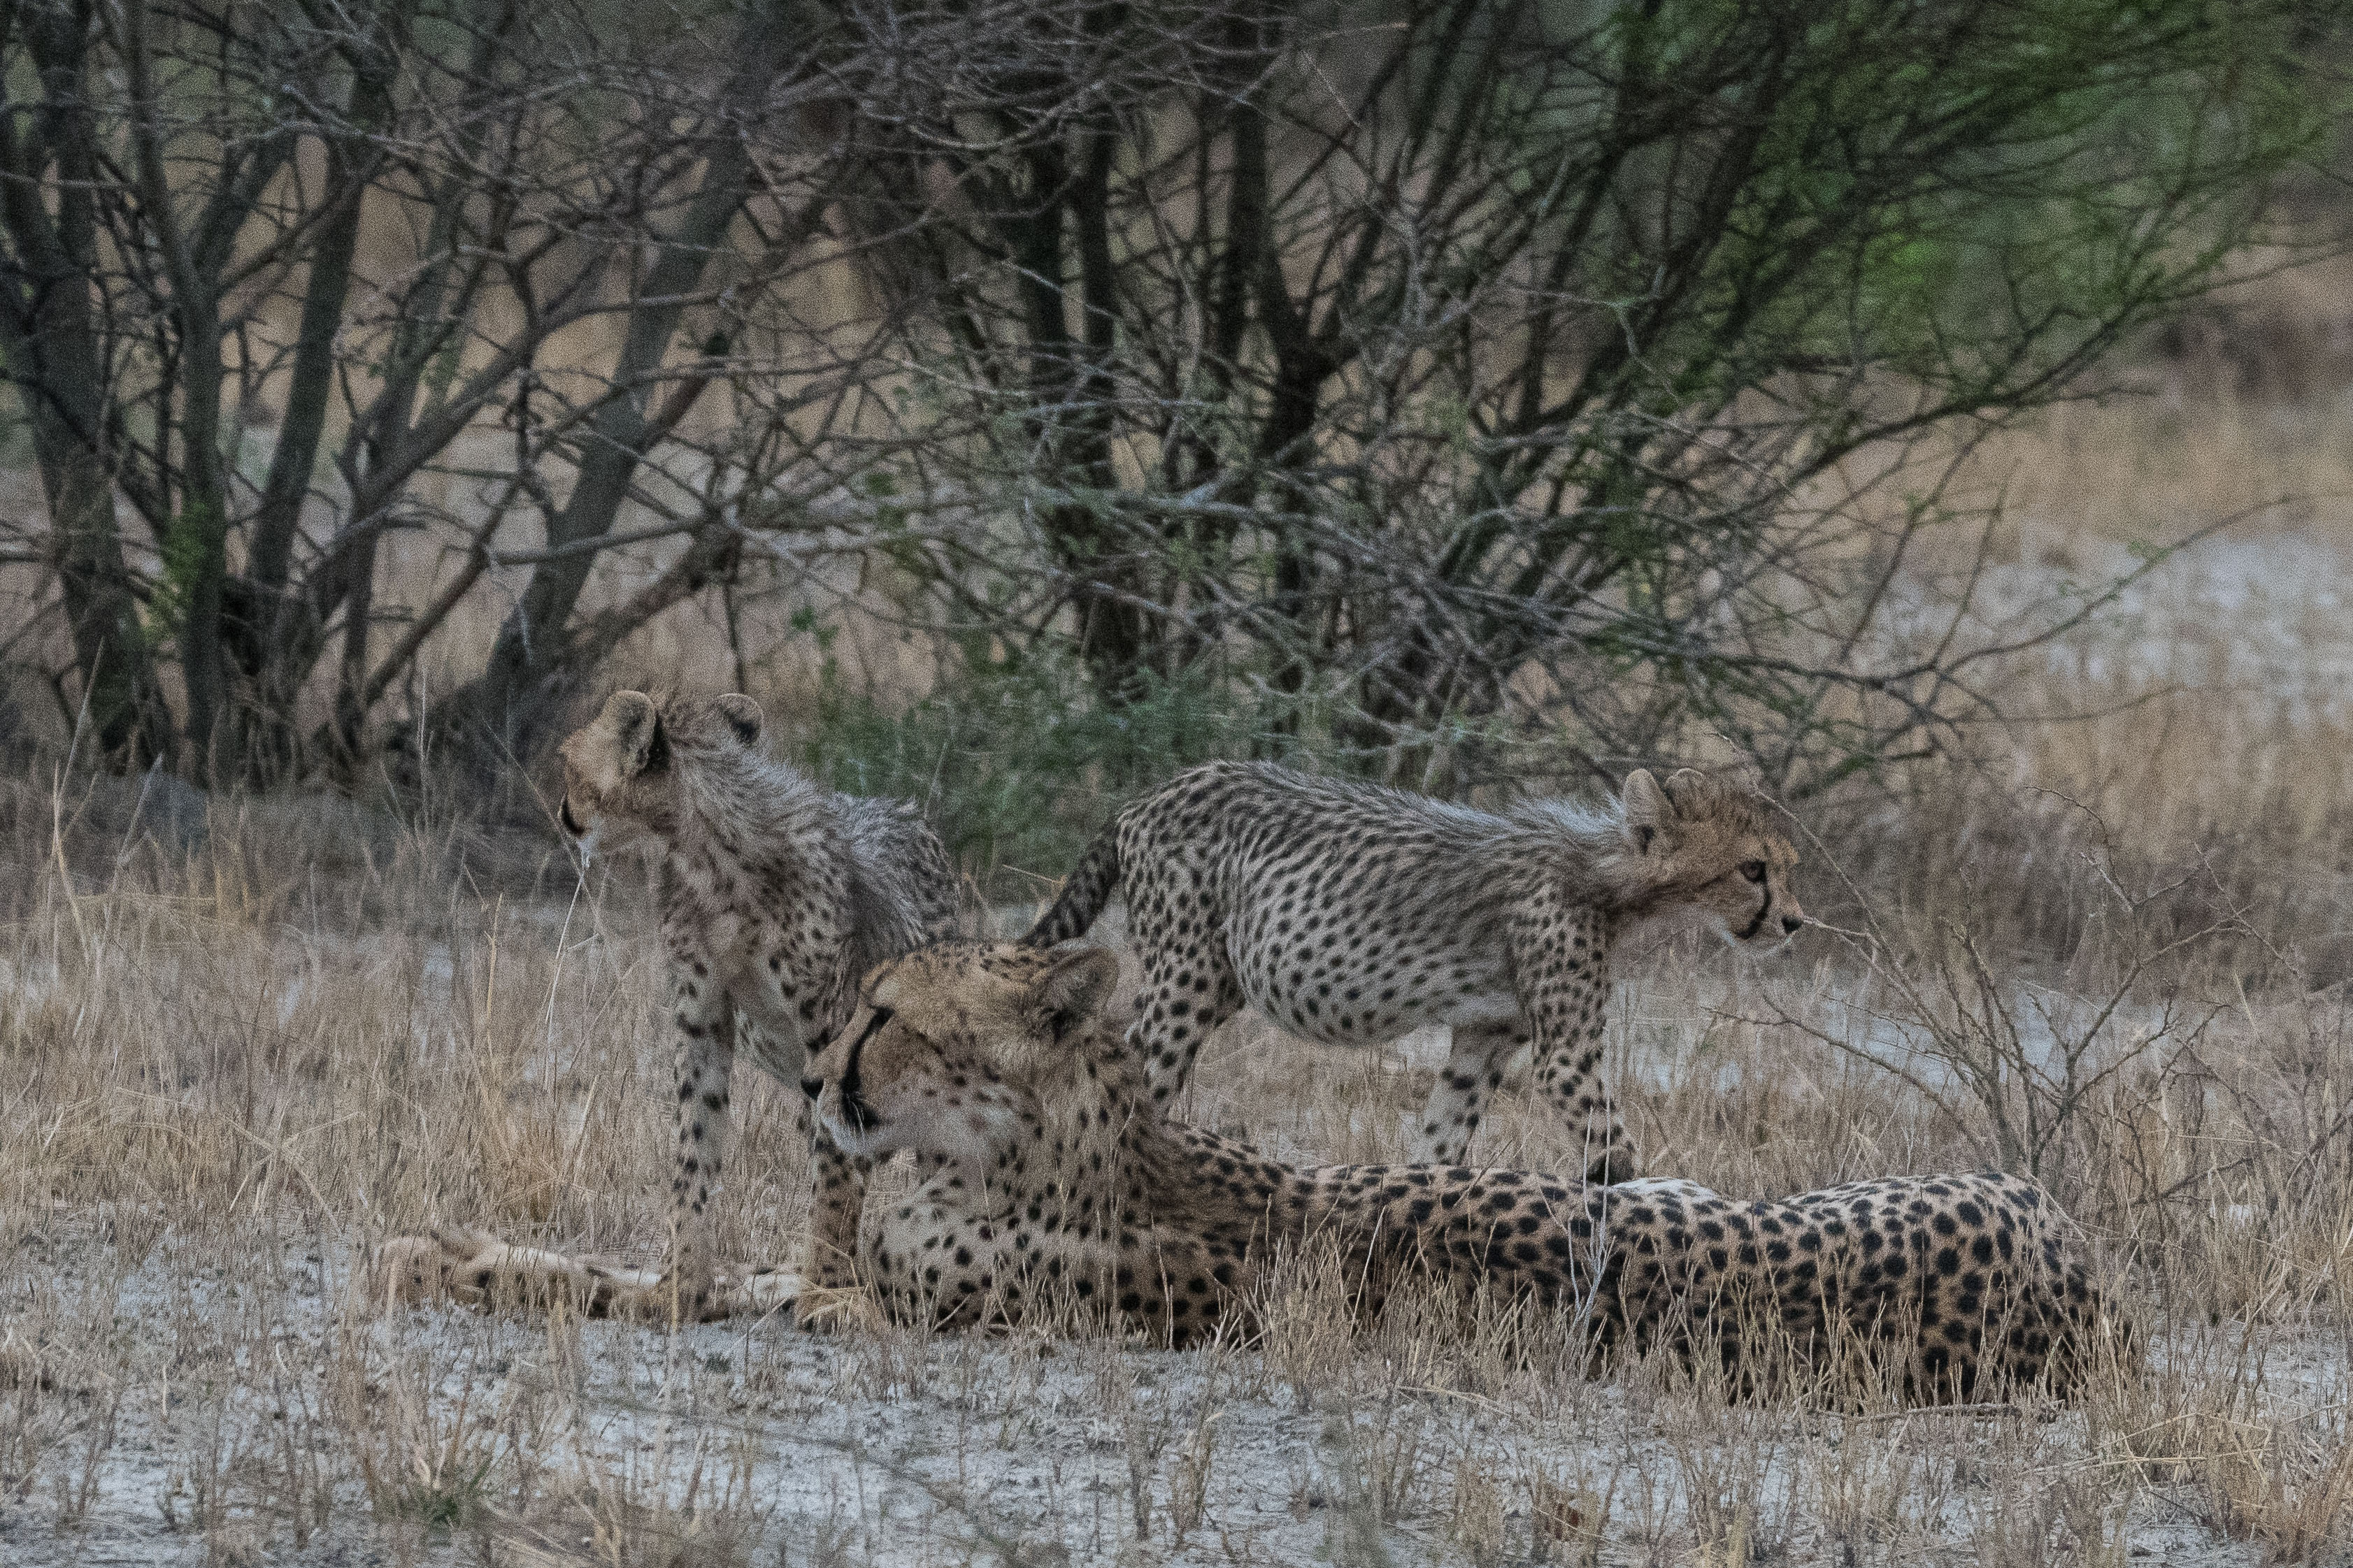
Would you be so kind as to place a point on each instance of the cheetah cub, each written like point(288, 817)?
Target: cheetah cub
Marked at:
point(774, 896)
point(1352, 913)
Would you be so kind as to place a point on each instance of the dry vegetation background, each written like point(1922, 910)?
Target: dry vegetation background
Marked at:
point(241, 1039)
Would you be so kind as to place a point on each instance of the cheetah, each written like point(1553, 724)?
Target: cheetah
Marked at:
point(1351, 914)
point(774, 897)
point(1061, 1193)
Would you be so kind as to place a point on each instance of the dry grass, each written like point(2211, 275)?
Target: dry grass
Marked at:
point(234, 1053)
point(231, 1064)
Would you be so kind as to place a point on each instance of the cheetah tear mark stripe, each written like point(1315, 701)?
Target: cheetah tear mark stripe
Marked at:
point(854, 1108)
point(1749, 930)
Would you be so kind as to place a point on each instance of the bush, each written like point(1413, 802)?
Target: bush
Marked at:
point(1019, 763)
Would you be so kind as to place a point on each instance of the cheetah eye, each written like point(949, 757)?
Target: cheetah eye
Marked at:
point(1753, 869)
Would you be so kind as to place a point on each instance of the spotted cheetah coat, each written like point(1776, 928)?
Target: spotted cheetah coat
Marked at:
point(1351, 914)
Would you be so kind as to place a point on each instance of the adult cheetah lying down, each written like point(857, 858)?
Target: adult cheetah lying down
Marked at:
point(1352, 914)
point(1061, 1188)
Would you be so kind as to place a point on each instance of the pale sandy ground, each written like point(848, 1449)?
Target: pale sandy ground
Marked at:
point(898, 1451)
point(776, 1447)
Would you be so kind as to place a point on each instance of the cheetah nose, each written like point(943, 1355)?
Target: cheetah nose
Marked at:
point(1791, 923)
point(812, 1087)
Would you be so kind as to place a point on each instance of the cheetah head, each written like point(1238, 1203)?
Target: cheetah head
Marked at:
point(948, 1043)
point(1711, 850)
point(618, 768)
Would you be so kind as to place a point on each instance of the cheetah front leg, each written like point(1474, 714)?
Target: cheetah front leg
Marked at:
point(1568, 1078)
point(1560, 963)
point(837, 1203)
point(830, 1266)
point(476, 1269)
point(936, 1265)
point(704, 1019)
point(1475, 1065)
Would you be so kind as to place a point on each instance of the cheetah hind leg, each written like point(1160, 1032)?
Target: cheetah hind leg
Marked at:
point(1175, 1012)
point(475, 1268)
point(1476, 1064)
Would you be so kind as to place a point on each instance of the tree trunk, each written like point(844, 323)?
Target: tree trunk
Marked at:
point(282, 654)
point(50, 339)
point(507, 699)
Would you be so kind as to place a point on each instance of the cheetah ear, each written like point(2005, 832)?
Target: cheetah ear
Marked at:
point(1075, 989)
point(743, 716)
point(1688, 787)
point(1647, 809)
point(637, 728)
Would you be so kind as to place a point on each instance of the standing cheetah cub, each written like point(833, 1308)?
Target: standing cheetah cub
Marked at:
point(776, 896)
point(1351, 914)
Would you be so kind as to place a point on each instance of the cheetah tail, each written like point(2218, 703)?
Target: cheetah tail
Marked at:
point(1084, 893)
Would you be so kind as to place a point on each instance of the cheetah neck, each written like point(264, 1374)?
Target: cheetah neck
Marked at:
point(1551, 840)
point(1558, 841)
point(744, 825)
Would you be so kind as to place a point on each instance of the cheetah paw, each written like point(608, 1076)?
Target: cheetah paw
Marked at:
point(475, 1268)
point(415, 1271)
point(827, 1310)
